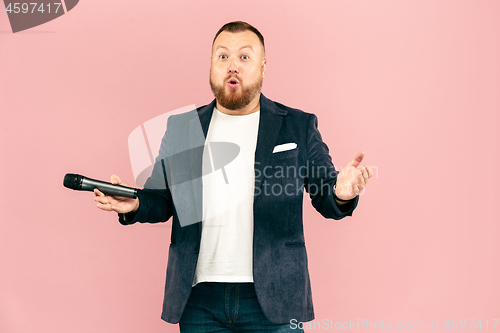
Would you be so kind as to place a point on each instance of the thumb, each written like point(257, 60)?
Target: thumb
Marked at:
point(115, 179)
point(357, 159)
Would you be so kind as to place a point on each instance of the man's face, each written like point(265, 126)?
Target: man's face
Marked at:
point(237, 69)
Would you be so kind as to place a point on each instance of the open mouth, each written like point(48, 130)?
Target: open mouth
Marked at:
point(233, 83)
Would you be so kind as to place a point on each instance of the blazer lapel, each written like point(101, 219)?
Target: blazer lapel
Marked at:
point(269, 128)
point(196, 158)
point(205, 115)
point(196, 138)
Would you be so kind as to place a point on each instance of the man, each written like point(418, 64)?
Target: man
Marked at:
point(243, 265)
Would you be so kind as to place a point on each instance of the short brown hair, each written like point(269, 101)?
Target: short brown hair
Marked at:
point(240, 26)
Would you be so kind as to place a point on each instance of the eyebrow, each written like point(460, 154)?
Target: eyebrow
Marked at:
point(246, 46)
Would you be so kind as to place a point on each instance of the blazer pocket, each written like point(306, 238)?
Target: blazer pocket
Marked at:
point(285, 154)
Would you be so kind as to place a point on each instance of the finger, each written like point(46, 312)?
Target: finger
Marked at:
point(370, 172)
point(360, 179)
point(98, 193)
point(357, 159)
point(102, 199)
point(115, 179)
point(364, 171)
point(106, 207)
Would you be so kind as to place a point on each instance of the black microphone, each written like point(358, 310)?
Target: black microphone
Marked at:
point(81, 183)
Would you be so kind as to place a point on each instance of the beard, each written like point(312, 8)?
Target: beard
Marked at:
point(234, 99)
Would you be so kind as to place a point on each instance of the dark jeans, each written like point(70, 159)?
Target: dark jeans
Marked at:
point(226, 307)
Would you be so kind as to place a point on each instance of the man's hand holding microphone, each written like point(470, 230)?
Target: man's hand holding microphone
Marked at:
point(116, 203)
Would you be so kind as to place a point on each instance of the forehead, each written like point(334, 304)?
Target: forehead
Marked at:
point(236, 40)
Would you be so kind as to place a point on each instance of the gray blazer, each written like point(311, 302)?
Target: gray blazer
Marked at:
point(281, 276)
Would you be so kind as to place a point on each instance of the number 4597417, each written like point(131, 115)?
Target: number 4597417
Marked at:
point(455, 323)
point(24, 7)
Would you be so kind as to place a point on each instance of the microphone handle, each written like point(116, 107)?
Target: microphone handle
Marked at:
point(89, 184)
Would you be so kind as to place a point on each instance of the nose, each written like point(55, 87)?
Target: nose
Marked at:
point(232, 68)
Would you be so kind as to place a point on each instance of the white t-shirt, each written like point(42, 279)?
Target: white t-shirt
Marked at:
point(227, 226)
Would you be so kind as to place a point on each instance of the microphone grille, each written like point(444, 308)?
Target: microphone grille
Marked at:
point(72, 181)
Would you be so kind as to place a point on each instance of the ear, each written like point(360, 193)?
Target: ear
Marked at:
point(264, 67)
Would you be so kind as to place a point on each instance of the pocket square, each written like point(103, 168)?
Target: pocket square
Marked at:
point(285, 146)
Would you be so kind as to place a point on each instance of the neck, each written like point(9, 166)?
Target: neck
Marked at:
point(252, 107)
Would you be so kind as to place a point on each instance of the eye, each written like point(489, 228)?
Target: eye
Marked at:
point(223, 56)
point(245, 57)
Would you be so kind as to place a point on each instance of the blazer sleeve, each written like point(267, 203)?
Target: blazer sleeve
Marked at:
point(155, 200)
point(321, 176)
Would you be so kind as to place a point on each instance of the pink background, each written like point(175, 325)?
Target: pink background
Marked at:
point(415, 84)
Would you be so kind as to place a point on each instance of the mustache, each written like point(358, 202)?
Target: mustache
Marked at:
point(231, 77)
